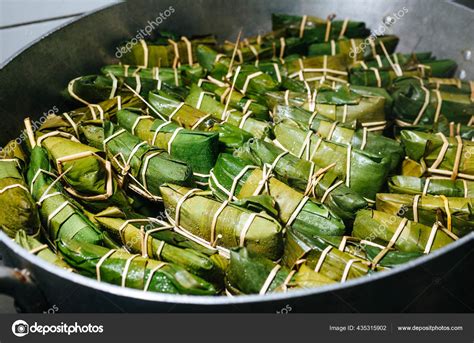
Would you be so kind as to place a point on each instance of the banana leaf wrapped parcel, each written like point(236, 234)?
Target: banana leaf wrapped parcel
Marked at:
point(127, 270)
point(145, 240)
point(18, 210)
point(431, 186)
point(456, 214)
point(400, 234)
point(197, 148)
point(60, 216)
point(362, 171)
point(415, 104)
point(253, 274)
point(442, 156)
point(34, 246)
point(233, 179)
point(222, 224)
point(321, 183)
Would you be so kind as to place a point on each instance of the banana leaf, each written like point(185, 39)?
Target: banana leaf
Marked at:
point(18, 210)
point(312, 217)
point(133, 239)
point(122, 268)
point(215, 63)
point(433, 186)
point(147, 168)
point(404, 61)
point(249, 78)
point(198, 149)
point(355, 49)
point(298, 173)
point(410, 105)
point(316, 68)
point(253, 274)
point(300, 248)
point(230, 136)
point(443, 125)
point(340, 133)
point(380, 227)
point(234, 226)
point(363, 172)
point(39, 249)
point(170, 76)
point(450, 85)
point(88, 177)
point(199, 99)
point(456, 214)
point(427, 149)
point(316, 28)
point(161, 52)
point(59, 214)
point(237, 100)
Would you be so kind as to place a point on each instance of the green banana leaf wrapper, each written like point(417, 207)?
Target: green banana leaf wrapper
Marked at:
point(367, 172)
point(88, 176)
point(295, 172)
point(147, 167)
point(379, 227)
point(313, 218)
point(170, 76)
point(142, 273)
point(235, 226)
point(133, 239)
point(456, 214)
point(405, 61)
point(197, 148)
point(359, 75)
point(409, 96)
point(161, 52)
point(60, 216)
point(250, 274)
point(34, 246)
point(300, 248)
point(342, 104)
point(339, 133)
point(215, 63)
point(426, 147)
point(450, 85)
point(237, 100)
point(18, 210)
point(217, 110)
point(316, 68)
point(230, 136)
point(358, 49)
point(316, 27)
point(434, 186)
point(249, 79)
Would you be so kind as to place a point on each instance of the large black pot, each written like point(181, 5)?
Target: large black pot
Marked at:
point(30, 85)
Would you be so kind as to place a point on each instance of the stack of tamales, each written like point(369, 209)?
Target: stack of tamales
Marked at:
point(306, 156)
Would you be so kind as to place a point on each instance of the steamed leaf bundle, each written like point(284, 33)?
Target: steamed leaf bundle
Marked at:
point(124, 269)
point(197, 148)
point(363, 172)
point(222, 224)
point(316, 68)
point(456, 214)
point(18, 210)
point(432, 186)
point(314, 180)
point(253, 274)
point(232, 179)
point(166, 75)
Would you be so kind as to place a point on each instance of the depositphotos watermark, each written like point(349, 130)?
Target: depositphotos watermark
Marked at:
point(388, 21)
point(144, 32)
point(20, 328)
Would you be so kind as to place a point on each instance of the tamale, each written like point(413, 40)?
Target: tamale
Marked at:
point(431, 186)
point(124, 269)
point(443, 156)
point(233, 179)
point(253, 274)
point(18, 210)
point(222, 223)
point(314, 180)
point(61, 218)
point(34, 246)
point(363, 172)
point(456, 214)
point(196, 148)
